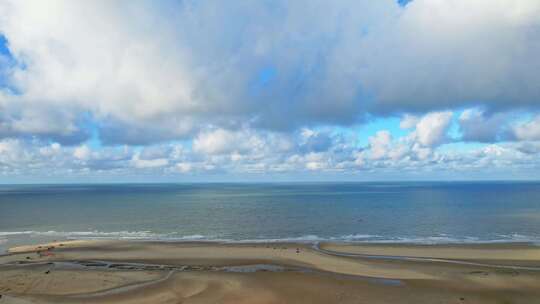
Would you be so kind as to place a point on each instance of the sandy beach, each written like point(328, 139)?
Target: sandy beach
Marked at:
point(160, 272)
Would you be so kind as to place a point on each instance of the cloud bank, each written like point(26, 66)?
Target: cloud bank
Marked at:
point(266, 86)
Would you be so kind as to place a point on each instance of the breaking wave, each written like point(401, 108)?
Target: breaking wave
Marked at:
point(360, 238)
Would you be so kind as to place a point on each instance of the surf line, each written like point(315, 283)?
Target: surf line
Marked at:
point(317, 248)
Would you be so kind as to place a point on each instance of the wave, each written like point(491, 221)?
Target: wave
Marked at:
point(356, 238)
point(101, 234)
point(310, 238)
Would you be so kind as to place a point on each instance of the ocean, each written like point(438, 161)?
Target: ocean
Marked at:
point(406, 212)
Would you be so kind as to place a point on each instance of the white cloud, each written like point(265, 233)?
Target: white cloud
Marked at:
point(205, 90)
point(222, 141)
point(400, 156)
point(316, 141)
point(82, 152)
point(212, 142)
point(12, 152)
point(98, 61)
point(51, 150)
point(408, 121)
point(184, 167)
point(380, 144)
point(447, 54)
point(476, 125)
point(426, 134)
point(431, 130)
point(529, 130)
point(139, 163)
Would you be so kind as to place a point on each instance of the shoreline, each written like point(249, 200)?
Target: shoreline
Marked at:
point(109, 271)
point(400, 242)
point(367, 249)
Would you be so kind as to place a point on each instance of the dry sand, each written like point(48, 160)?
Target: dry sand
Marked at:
point(153, 272)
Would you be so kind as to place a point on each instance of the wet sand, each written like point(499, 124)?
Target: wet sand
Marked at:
point(158, 272)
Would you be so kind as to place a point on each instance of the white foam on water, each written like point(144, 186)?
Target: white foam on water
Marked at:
point(354, 237)
point(75, 234)
point(8, 233)
point(310, 238)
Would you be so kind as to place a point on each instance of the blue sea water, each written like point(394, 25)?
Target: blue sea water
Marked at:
point(414, 212)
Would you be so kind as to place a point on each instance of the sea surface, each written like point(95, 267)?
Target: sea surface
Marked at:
point(407, 212)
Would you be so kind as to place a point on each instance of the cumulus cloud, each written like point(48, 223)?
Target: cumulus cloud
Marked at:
point(457, 53)
point(431, 130)
point(408, 121)
point(529, 130)
point(384, 154)
point(414, 149)
point(92, 57)
point(315, 141)
point(82, 152)
point(380, 144)
point(139, 163)
point(12, 153)
point(261, 86)
point(222, 141)
point(529, 147)
point(476, 125)
point(203, 64)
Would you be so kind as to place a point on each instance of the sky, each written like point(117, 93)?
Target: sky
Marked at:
point(305, 90)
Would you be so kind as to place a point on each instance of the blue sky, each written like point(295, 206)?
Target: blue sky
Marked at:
point(269, 91)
